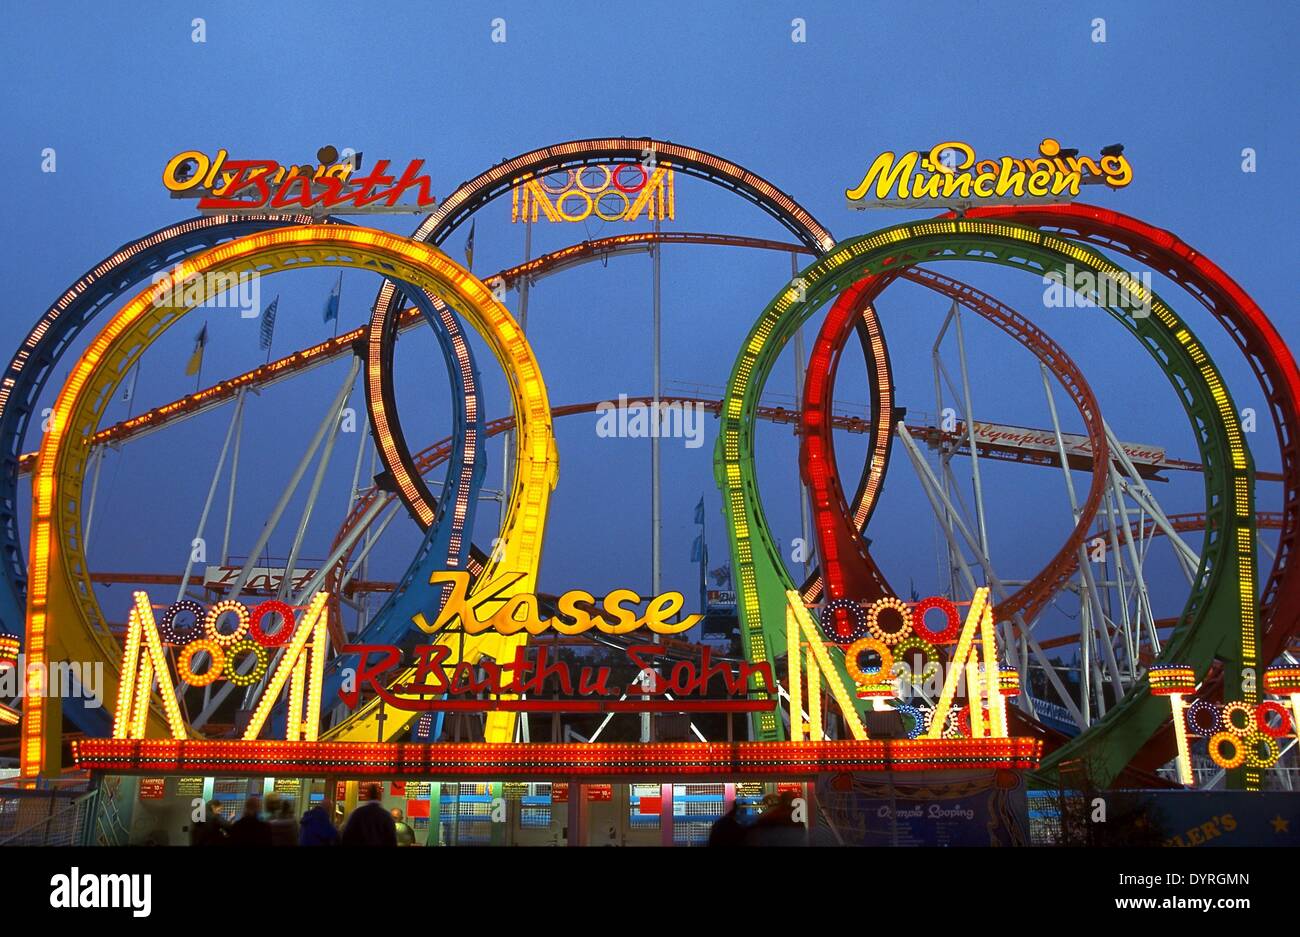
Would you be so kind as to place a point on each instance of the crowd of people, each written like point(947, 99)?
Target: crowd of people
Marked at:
point(370, 824)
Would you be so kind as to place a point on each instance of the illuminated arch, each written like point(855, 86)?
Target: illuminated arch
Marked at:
point(492, 183)
point(60, 590)
point(1219, 618)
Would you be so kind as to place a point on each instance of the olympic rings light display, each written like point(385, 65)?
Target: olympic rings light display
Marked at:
point(171, 634)
point(1282, 729)
point(184, 664)
point(260, 661)
point(610, 195)
point(1195, 717)
point(1247, 713)
point(862, 677)
point(886, 604)
point(952, 628)
point(280, 635)
point(1227, 762)
point(830, 625)
point(213, 620)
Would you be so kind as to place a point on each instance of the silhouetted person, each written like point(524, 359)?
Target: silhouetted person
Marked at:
point(250, 829)
point(370, 824)
point(316, 829)
point(727, 830)
point(213, 830)
point(405, 835)
point(284, 825)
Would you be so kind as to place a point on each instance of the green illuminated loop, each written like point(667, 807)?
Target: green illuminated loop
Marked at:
point(1219, 617)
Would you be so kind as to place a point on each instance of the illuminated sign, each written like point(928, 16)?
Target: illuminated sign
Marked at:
point(1040, 440)
point(612, 193)
point(295, 636)
point(260, 579)
point(492, 606)
point(533, 680)
point(949, 173)
point(336, 187)
point(529, 683)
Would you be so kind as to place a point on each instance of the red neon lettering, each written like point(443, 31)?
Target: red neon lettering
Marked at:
point(247, 172)
point(368, 673)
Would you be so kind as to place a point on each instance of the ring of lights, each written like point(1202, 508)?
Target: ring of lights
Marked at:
point(1252, 743)
point(1203, 718)
point(61, 591)
point(260, 657)
point(280, 636)
point(185, 662)
point(915, 642)
point(167, 629)
point(1262, 710)
point(1247, 713)
point(1227, 574)
point(1215, 749)
point(211, 623)
point(952, 627)
point(835, 628)
point(880, 674)
point(888, 604)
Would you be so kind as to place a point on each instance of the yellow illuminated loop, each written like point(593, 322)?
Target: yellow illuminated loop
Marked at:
point(64, 620)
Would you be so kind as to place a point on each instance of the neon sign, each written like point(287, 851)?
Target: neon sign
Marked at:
point(578, 611)
point(223, 184)
point(950, 172)
point(611, 193)
point(538, 684)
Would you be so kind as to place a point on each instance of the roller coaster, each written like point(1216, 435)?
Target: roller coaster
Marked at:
point(1232, 638)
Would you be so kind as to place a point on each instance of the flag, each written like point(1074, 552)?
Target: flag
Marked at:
point(332, 304)
point(699, 511)
point(268, 323)
point(196, 357)
point(697, 549)
point(721, 575)
point(469, 248)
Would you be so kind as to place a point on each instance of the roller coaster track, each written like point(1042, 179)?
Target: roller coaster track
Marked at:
point(1219, 617)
